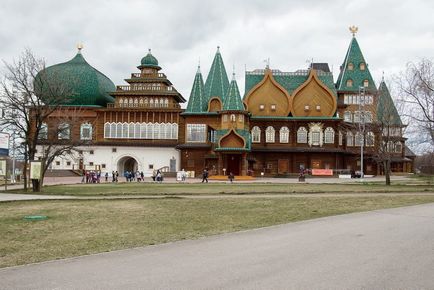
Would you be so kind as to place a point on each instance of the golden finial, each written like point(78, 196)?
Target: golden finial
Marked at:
point(353, 30)
point(80, 46)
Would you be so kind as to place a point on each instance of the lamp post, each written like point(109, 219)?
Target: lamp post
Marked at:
point(361, 126)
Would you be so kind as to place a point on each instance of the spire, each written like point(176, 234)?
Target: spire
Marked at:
point(217, 82)
point(197, 102)
point(354, 71)
point(232, 100)
point(386, 110)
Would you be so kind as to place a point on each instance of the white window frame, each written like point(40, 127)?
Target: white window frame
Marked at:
point(196, 133)
point(329, 135)
point(83, 127)
point(270, 135)
point(284, 135)
point(302, 135)
point(256, 134)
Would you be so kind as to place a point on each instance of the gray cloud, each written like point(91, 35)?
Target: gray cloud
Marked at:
point(117, 34)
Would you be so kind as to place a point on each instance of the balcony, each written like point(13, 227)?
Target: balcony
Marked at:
point(148, 76)
point(145, 88)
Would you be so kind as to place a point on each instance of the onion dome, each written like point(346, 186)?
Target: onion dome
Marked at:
point(149, 61)
point(82, 84)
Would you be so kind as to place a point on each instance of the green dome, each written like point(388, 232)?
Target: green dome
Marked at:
point(149, 61)
point(82, 84)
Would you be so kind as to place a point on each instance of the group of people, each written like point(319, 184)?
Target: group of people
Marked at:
point(91, 177)
point(132, 176)
point(157, 176)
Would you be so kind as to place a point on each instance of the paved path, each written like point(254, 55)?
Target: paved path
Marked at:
point(383, 249)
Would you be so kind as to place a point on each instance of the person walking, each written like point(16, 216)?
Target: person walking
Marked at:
point(117, 176)
point(183, 175)
point(205, 175)
point(231, 177)
point(113, 176)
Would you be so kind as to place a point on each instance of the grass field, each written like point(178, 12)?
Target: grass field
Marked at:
point(79, 227)
point(134, 188)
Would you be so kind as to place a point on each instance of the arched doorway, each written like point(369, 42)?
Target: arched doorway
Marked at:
point(127, 163)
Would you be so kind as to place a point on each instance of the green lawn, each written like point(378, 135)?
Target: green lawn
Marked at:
point(109, 189)
point(78, 227)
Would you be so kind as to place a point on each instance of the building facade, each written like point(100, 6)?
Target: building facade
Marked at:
point(284, 122)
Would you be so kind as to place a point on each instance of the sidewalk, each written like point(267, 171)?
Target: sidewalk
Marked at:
point(316, 180)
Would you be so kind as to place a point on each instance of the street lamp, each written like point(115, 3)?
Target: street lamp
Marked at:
point(361, 126)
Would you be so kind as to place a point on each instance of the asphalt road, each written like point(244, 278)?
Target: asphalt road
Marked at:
point(384, 249)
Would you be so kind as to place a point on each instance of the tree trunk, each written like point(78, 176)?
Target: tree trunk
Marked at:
point(25, 171)
point(36, 185)
point(387, 171)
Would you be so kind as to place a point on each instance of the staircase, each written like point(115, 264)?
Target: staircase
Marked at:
point(61, 173)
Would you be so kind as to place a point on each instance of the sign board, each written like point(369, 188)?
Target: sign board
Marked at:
point(2, 167)
point(92, 167)
point(322, 172)
point(4, 144)
point(35, 169)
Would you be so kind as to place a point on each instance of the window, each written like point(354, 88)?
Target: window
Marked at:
point(358, 139)
point(366, 83)
point(398, 147)
point(390, 146)
point(315, 134)
point(91, 163)
point(302, 135)
point(340, 138)
point(261, 107)
point(225, 118)
point(64, 131)
point(348, 117)
point(57, 163)
point(318, 108)
point(350, 66)
point(107, 130)
point(273, 107)
point(91, 152)
point(270, 135)
point(357, 118)
point(329, 135)
point(284, 135)
point(151, 166)
point(349, 83)
point(349, 139)
point(103, 166)
point(362, 66)
point(86, 131)
point(370, 139)
point(241, 118)
point(43, 132)
point(256, 135)
point(196, 133)
point(306, 107)
point(114, 150)
point(233, 118)
point(368, 117)
point(68, 163)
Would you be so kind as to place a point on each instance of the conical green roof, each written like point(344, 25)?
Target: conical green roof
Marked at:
point(217, 82)
point(358, 76)
point(196, 102)
point(84, 85)
point(386, 110)
point(232, 100)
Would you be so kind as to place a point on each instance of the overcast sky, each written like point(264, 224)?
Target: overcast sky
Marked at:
point(117, 34)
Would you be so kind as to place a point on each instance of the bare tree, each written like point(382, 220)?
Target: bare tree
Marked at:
point(416, 88)
point(30, 97)
point(389, 131)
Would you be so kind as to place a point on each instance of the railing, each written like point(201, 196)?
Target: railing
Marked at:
point(145, 88)
point(153, 106)
point(300, 72)
point(144, 75)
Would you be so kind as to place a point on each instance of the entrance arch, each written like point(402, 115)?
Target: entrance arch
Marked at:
point(127, 163)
